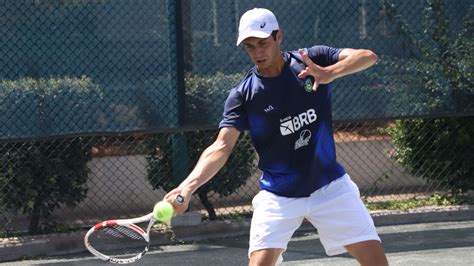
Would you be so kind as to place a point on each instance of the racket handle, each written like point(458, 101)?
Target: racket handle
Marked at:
point(179, 199)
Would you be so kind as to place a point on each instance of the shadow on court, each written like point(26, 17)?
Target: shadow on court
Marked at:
point(450, 243)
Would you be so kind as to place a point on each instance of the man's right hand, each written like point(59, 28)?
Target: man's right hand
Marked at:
point(173, 195)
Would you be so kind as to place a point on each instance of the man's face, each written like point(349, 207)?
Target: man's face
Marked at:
point(264, 52)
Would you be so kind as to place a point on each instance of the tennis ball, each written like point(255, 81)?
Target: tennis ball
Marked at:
point(163, 211)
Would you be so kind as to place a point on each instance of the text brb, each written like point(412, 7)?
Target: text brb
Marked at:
point(290, 125)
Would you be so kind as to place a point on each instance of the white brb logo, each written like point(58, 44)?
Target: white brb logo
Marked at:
point(290, 125)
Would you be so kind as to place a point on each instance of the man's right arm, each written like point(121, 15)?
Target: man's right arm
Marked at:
point(210, 162)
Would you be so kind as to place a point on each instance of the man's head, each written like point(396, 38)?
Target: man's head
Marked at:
point(260, 34)
point(257, 22)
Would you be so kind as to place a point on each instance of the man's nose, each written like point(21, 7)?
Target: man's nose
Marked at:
point(258, 51)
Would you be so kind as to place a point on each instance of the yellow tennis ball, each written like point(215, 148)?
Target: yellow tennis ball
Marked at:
point(163, 211)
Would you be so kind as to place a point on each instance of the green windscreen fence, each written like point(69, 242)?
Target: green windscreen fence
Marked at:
point(82, 67)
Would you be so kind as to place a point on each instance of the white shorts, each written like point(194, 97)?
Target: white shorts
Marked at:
point(335, 210)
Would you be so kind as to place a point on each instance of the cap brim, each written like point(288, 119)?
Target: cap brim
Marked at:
point(257, 34)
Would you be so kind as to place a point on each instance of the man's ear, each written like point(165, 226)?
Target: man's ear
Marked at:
point(279, 37)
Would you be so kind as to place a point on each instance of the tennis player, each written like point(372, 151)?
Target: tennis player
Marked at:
point(285, 104)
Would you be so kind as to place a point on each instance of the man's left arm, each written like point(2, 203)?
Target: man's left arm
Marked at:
point(350, 61)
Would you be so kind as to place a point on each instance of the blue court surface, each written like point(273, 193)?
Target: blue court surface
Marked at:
point(442, 243)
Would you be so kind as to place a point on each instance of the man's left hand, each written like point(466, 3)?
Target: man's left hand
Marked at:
point(320, 74)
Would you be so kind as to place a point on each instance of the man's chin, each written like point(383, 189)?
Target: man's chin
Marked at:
point(262, 66)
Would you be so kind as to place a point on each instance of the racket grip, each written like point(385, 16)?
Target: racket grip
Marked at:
point(179, 199)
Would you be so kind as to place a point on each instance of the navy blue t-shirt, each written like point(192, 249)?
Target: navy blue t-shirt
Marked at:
point(290, 126)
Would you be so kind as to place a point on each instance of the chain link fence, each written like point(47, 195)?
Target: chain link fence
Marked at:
point(105, 105)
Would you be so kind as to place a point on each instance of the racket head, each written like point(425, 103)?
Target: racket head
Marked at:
point(119, 241)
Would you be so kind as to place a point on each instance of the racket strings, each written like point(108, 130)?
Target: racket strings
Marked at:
point(118, 242)
point(121, 232)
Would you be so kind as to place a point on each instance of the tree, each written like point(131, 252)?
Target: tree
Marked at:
point(437, 76)
point(39, 176)
point(437, 80)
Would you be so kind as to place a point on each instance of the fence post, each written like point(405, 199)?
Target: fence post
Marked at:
point(180, 155)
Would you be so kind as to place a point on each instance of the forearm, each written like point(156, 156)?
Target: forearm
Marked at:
point(352, 61)
point(210, 162)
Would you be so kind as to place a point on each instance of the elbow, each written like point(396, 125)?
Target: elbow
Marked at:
point(223, 148)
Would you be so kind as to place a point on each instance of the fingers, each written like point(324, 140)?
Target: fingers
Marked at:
point(180, 207)
point(315, 86)
point(307, 72)
point(303, 73)
point(179, 199)
point(311, 70)
point(306, 58)
point(310, 66)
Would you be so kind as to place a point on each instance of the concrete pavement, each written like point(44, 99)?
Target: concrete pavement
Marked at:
point(438, 236)
point(441, 243)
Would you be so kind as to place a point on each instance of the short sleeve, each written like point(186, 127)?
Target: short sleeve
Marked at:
point(235, 114)
point(324, 55)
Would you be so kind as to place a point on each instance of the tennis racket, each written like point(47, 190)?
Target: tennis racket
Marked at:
point(125, 235)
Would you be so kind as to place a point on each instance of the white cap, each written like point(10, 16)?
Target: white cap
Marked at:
point(257, 22)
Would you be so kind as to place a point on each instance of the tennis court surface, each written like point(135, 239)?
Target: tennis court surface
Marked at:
point(439, 243)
